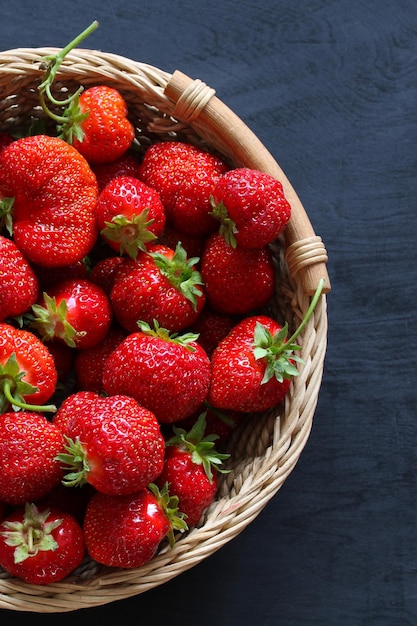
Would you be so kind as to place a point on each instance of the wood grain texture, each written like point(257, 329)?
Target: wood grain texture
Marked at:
point(330, 88)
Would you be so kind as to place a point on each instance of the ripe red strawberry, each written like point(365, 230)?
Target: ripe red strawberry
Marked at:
point(190, 458)
point(126, 165)
point(113, 443)
point(251, 207)
point(89, 364)
point(19, 284)
point(185, 176)
point(161, 284)
point(40, 545)
point(126, 531)
point(253, 366)
point(236, 280)
point(169, 374)
point(75, 311)
point(28, 375)
point(97, 124)
point(130, 215)
point(212, 327)
point(29, 444)
point(54, 193)
point(104, 271)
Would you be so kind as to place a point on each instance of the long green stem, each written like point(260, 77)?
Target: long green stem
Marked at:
point(51, 65)
point(309, 311)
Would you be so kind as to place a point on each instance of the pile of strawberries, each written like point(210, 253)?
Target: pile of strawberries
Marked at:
point(132, 338)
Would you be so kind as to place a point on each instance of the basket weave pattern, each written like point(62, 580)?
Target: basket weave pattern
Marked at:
point(265, 448)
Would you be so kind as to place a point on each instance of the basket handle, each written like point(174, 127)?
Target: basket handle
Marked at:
point(196, 104)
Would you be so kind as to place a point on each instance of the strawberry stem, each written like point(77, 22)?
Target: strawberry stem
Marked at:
point(51, 65)
point(309, 311)
point(15, 402)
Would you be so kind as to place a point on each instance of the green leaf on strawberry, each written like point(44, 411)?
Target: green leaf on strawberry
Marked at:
point(131, 232)
point(181, 272)
point(169, 506)
point(184, 339)
point(200, 448)
point(277, 351)
point(51, 321)
point(75, 462)
point(13, 389)
point(31, 535)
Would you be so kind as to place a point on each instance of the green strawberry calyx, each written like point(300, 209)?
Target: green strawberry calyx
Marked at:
point(181, 272)
point(227, 227)
point(69, 123)
point(185, 339)
point(31, 535)
point(13, 389)
point(131, 233)
point(201, 448)
point(74, 462)
point(50, 321)
point(277, 350)
point(169, 506)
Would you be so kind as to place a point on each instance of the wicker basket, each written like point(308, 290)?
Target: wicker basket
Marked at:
point(264, 450)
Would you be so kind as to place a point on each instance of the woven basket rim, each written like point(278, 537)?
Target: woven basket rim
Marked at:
point(274, 445)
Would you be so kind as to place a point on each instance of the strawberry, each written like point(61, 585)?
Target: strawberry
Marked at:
point(96, 124)
point(89, 364)
point(236, 280)
point(54, 194)
point(130, 215)
point(211, 327)
point(29, 444)
point(75, 311)
point(127, 531)
point(27, 370)
point(113, 443)
point(19, 285)
point(253, 366)
point(104, 271)
point(160, 284)
point(167, 373)
point(40, 545)
point(94, 121)
point(126, 165)
point(185, 176)
point(190, 458)
point(251, 207)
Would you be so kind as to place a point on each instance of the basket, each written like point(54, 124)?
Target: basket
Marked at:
point(264, 449)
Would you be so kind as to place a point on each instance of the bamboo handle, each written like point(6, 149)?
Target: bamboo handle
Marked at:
point(197, 104)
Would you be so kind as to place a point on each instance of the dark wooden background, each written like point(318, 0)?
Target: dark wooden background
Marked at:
point(330, 87)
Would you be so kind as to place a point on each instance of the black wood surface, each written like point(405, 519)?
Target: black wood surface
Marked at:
point(330, 87)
